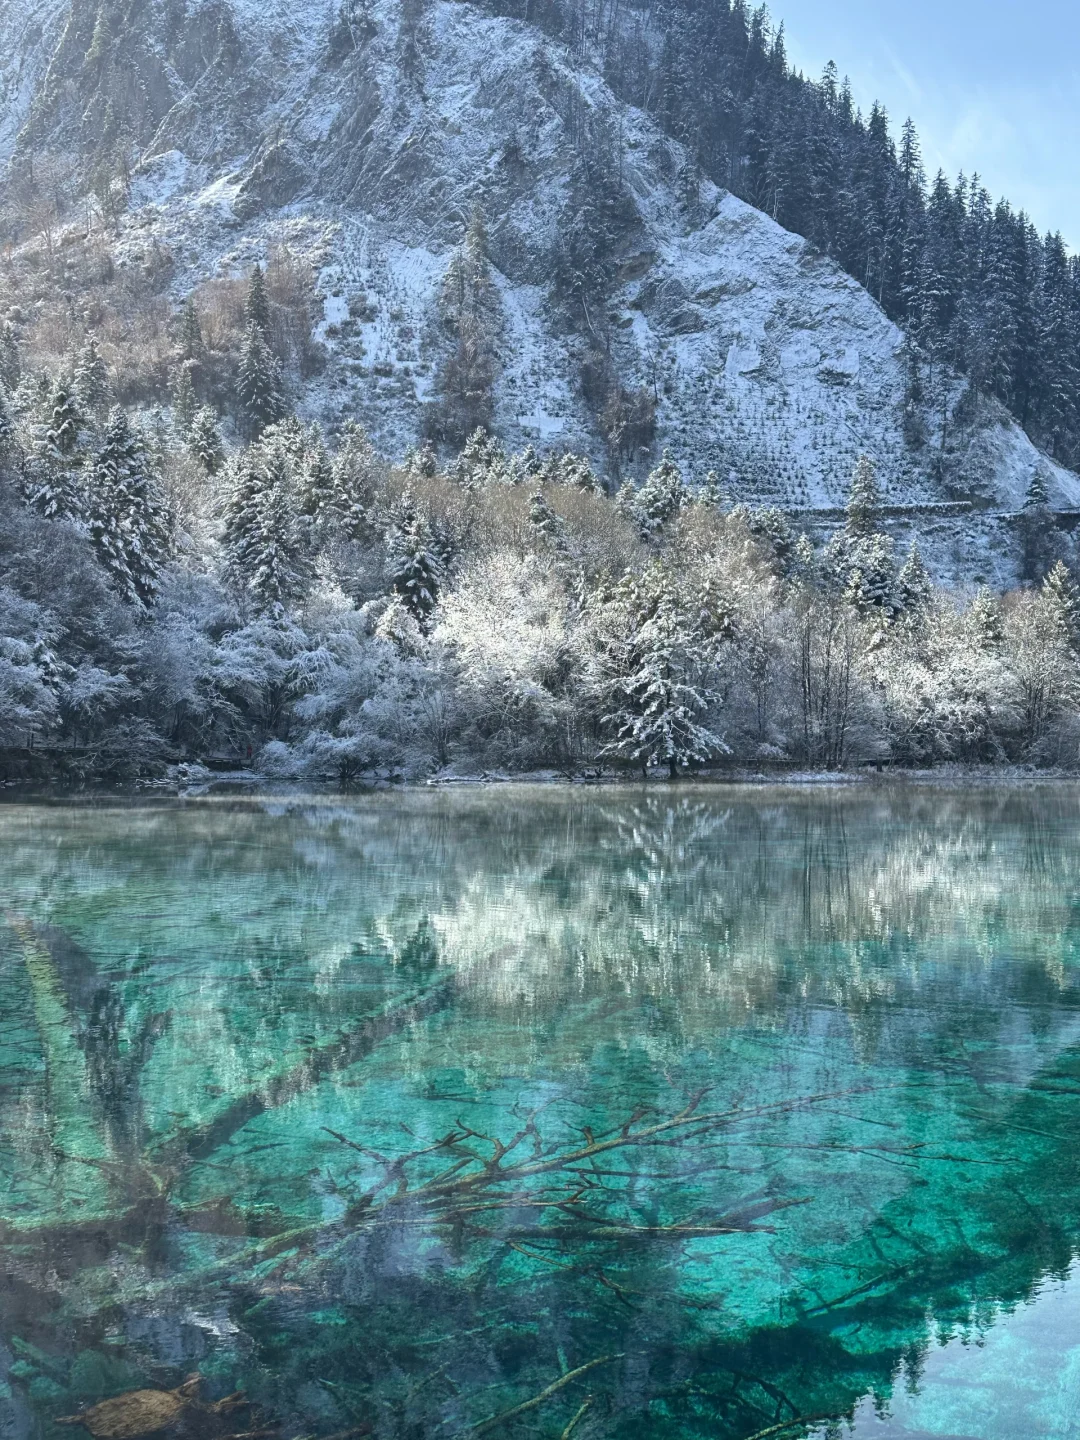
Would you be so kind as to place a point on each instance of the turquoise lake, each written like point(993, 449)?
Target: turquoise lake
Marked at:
point(654, 1112)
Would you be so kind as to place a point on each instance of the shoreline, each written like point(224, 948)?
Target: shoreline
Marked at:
point(194, 782)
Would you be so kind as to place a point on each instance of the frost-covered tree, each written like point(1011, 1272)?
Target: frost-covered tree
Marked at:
point(422, 463)
point(655, 699)
point(416, 566)
point(1063, 599)
point(470, 310)
point(548, 523)
point(482, 462)
point(259, 382)
point(864, 499)
point(257, 303)
point(126, 512)
point(7, 422)
point(191, 339)
point(265, 540)
point(64, 424)
point(204, 441)
point(354, 473)
point(53, 479)
point(914, 587)
point(185, 403)
point(91, 378)
point(10, 359)
point(660, 498)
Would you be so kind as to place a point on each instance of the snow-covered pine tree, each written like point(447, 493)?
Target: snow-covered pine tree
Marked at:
point(184, 402)
point(316, 482)
point(650, 701)
point(257, 303)
point(259, 382)
point(204, 441)
point(191, 339)
point(64, 424)
point(864, 499)
point(546, 522)
point(243, 486)
point(985, 619)
point(1063, 596)
point(10, 363)
point(91, 378)
point(281, 569)
point(471, 311)
point(7, 421)
point(127, 513)
point(482, 462)
point(53, 480)
point(353, 481)
point(422, 463)
point(265, 539)
point(1038, 494)
point(660, 498)
point(914, 587)
point(576, 472)
point(416, 564)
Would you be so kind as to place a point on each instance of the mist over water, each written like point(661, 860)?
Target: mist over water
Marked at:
point(673, 1111)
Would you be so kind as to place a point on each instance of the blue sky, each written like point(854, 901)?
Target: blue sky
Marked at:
point(992, 85)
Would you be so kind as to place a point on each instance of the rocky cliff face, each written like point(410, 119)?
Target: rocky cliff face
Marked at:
point(364, 138)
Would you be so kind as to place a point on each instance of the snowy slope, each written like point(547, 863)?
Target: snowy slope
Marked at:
point(29, 30)
point(769, 363)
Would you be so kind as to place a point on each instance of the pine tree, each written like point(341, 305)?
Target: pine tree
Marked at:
point(257, 305)
point(864, 499)
point(63, 425)
point(184, 401)
point(243, 487)
point(660, 498)
point(204, 441)
point(422, 463)
point(546, 522)
point(914, 587)
point(53, 476)
point(1038, 495)
point(1062, 594)
point(259, 383)
point(651, 703)
point(416, 566)
point(353, 485)
point(280, 573)
point(127, 514)
point(7, 423)
point(10, 364)
point(470, 310)
point(191, 339)
point(265, 543)
point(91, 378)
point(984, 616)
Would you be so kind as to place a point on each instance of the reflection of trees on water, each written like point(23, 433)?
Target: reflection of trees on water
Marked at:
point(349, 985)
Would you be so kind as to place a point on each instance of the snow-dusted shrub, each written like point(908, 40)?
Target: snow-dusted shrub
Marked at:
point(514, 641)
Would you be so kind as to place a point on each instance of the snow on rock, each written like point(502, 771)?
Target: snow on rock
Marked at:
point(768, 362)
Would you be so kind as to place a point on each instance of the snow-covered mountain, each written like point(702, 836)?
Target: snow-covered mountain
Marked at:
point(364, 139)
